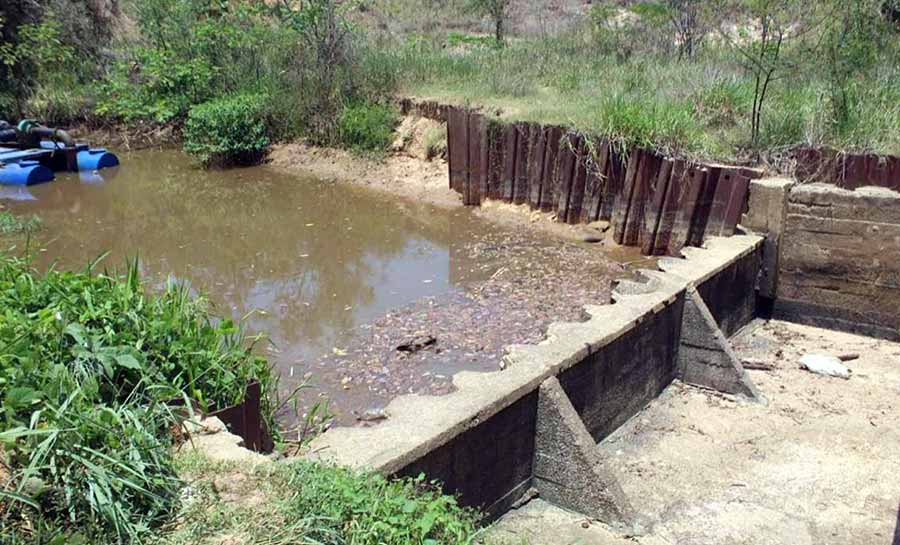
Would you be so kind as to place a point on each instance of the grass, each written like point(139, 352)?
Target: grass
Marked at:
point(300, 502)
point(696, 108)
point(11, 224)
point(90, 366)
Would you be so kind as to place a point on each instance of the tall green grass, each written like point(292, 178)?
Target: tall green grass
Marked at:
point(698, 107)
point(90, 370)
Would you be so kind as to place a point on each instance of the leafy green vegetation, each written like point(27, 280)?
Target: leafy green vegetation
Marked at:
point(12, 224)
point(300, 502)
point(367, 127)
point(228, 131)
point(727, 80)
point(90, 367)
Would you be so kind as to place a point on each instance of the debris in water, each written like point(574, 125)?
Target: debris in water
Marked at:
point(414, 345)
point(373, 415)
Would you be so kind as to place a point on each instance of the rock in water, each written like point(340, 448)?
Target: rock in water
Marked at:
point(824, 365)
point(414, 345)
point(373, 415)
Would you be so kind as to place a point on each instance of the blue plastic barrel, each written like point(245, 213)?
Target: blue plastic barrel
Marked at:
point(88, 158)
point(24, 173)
point(96, 158)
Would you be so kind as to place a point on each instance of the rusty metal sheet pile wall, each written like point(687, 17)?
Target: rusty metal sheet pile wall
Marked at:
point(848, 171)
point(656, 203)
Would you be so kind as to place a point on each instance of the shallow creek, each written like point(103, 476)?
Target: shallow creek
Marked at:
point(337, 276)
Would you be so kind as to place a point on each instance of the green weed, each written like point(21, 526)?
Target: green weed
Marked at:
point(228, 131)
point(90, 366)
point(300, 502)
point(367, 127)
point(12, 224)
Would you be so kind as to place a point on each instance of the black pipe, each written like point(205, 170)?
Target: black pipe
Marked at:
point(56, 135)
point(8, 135)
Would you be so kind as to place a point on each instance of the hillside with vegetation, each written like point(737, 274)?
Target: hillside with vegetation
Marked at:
point(723, 80)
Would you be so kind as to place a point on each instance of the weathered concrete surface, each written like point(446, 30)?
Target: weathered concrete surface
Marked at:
point(840, 260)
point(705, 357)
point(730, 294)
point(541, 523)
point(420, 425)
point(767, 214)
point(567, 469)
point(620, 378)
point(817, 465)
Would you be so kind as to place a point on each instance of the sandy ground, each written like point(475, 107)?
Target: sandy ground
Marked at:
point(819, 464)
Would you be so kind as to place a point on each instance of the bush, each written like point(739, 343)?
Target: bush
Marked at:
point(228, 131)
point(88, 367)
point(367, 127)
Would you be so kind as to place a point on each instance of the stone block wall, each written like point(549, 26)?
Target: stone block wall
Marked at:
point(840, 259)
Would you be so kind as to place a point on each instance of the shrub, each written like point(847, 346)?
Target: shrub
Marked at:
point(88, 366)
point(367, 127)
point(231, 130)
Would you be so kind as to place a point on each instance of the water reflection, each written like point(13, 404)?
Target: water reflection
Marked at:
point(315, 259)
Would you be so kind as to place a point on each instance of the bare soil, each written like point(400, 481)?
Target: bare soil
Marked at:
point(818, 464)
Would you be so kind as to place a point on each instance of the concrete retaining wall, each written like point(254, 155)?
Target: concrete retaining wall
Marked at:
point(480, 440)
point(621, 378)
point(839, 259)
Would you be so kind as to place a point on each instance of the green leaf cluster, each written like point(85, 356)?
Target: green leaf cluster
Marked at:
point(227, 131)
point(91, 370)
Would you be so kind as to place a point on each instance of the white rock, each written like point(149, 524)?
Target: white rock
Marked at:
point(824, 365)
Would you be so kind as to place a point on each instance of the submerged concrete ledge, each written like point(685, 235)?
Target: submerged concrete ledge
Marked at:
point(479, 440)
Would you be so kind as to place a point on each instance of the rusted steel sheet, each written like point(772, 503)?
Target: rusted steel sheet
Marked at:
point(597, 157)
point(894, 172)
point(737, 204)
point(653, 210)
point(549, 187)
point(478, 160)
point(245, 420)
point(579, 180)
point(496, 153)
point(623, 201)
point(704, 205)
point(508, 175)
point(537, 145)
point(635, 230)
point(728, 203)
point(568, 154)
point(628, 217)
point(523, 145)
point(686, 195)
point(616, 173)
point(669, 210)
point(853, 172)
point(849, 171)
point(457, 148)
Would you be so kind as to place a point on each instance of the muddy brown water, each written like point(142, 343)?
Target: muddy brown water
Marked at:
point(337, 276)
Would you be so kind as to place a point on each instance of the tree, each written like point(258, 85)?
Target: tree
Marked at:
point(851, 40)
point(497, 10)
point(762, 45)
point(686, 18)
